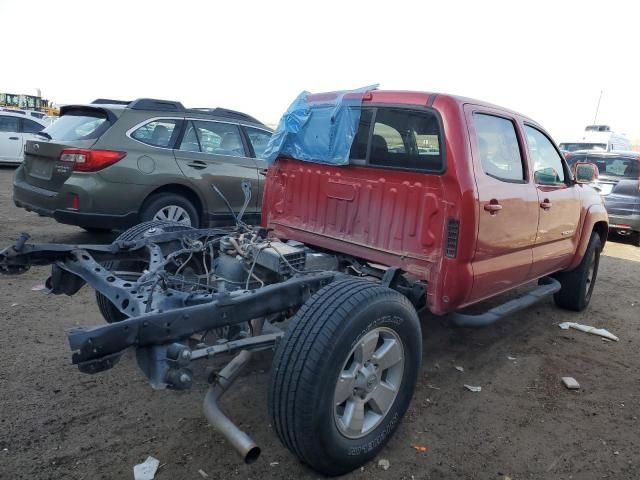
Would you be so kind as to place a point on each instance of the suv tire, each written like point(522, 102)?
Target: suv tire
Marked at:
point(577, 285)
point(170, 207)
point(107, 309)
point(325, 346)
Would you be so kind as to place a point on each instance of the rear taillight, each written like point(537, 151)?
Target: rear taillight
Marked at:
point(85, 160)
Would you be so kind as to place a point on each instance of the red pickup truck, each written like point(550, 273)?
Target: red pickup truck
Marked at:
point(455, 192)
point(442, 202)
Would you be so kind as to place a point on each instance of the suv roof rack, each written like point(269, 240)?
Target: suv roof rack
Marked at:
point(173, 106)
point(109, 101)
point(155, 104)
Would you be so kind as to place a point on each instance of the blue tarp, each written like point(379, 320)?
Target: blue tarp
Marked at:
point(318, 128)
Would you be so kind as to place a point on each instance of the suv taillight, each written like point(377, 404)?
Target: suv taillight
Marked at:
point(85, 160)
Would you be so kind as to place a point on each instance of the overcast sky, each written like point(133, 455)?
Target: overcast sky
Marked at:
point(548, 60)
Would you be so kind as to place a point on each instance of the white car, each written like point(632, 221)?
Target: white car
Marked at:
point(15, 130)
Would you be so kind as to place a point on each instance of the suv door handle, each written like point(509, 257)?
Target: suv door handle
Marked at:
point(14, 138)
point(263, 171)
point(546, 204)
point(197, 164)
point(493, 207)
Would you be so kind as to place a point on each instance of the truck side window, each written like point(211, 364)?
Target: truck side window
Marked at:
point(401, 138)
point(546, 161)
point(499, 150)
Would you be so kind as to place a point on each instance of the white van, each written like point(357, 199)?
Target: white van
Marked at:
point(598, 137)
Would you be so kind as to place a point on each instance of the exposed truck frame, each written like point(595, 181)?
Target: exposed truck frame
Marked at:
point(334, 279)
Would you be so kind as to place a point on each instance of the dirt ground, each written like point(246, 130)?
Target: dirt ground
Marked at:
point(56, 423)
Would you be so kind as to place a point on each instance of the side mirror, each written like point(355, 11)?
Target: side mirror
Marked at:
point(585, 172)
point(546, 176)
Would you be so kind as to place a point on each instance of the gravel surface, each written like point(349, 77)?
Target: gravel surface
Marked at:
point(56, 423)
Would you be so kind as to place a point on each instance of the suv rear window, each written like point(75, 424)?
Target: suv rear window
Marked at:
point(79, 125)
point(611, 166)
point(573, 147)
point(159, 133)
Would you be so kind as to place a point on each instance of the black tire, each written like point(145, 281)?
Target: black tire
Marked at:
point(155, 203)
point(107, 309)
point(96, 230)
point(315, 351)
point(578, 284)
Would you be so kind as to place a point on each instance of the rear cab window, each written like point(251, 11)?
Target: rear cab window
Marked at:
point(399, 138)
point(79, 124)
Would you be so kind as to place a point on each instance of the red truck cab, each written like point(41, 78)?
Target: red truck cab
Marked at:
point(468, 197)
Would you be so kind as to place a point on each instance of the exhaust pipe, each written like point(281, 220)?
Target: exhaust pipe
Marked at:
point(242, 442)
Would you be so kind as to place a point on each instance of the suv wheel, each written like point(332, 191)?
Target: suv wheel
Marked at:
point(344, 374)
point(170, 207)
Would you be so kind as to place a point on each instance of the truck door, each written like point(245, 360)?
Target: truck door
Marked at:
point(508, 204)
point(559, 205)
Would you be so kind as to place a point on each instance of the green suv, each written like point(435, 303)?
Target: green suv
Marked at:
point(112, 164)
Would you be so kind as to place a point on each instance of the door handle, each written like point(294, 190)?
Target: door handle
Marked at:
point(492, 207)
point(263, 171)
point(197, 164)
point(546, 204)
point(14, 138)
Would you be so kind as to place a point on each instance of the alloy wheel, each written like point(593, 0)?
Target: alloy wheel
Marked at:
point(173, 213)
point(368, 383)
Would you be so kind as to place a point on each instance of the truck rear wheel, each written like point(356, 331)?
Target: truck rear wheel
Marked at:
point(107, 309)
point(578, 284)
point(344, 374)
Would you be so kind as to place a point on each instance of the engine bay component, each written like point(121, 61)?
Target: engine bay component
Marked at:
point(321, 261)
point(278, 257)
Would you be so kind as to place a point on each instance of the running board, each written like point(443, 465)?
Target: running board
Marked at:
point(547, 286)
